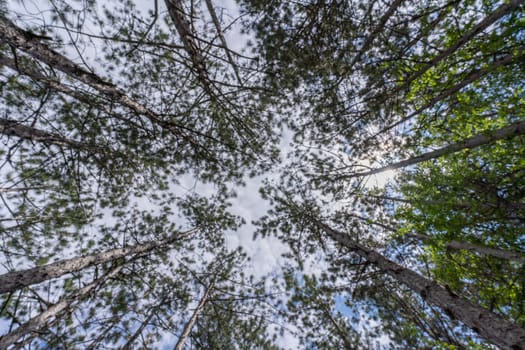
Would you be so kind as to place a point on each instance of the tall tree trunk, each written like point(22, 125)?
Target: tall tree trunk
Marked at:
point(39, 322)
point(18, 38)
point(488, 325)
point(508, 131)
point(477, 248)
point(15, 280)
point(183, 26)
point(187, 328)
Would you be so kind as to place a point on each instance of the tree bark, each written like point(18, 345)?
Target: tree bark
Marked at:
point(187, 328)
point(39, 322)
point(10, 127)
point(15, 280)
point(488, 325)
point(477, 248)
point(17, 38)
point(508, 131)
point(183, 26)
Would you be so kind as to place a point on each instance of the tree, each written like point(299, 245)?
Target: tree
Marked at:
point(481, 215)
point(13, 281)
point(233, 311)
point(116, 116)
point(509, 131)
point(295, 219)
point(40, 322)
point(86, 138)
point(396, 89)
point(414, 70)
point(312, 309)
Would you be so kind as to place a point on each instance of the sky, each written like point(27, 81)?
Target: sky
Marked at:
point(266, 255)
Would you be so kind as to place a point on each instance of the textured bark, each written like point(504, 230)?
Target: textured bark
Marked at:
point(487, 324)
point(477, 248)
point(191, 322)
point(18, 38)
point(15, 280)
point(40, 322)
point(10, 127)
point(508, 131)
point(183, 26)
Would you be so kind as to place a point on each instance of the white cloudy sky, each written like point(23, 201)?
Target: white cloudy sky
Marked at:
point(265, 254)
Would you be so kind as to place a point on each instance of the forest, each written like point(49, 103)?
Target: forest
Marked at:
point(262, 174)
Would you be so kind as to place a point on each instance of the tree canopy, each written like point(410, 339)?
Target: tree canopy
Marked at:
point(387, 140)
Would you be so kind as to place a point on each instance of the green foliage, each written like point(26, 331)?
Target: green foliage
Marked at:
point(160, 145)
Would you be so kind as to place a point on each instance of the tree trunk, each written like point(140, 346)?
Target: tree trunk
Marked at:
point(183, 26)
point(39, 322)
point(488, 325)
point(19, 39)
point(477, 248)
point(187, 328)
point(217, 24)
point(508, 131)
point(15, 280)
point(10, 127)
